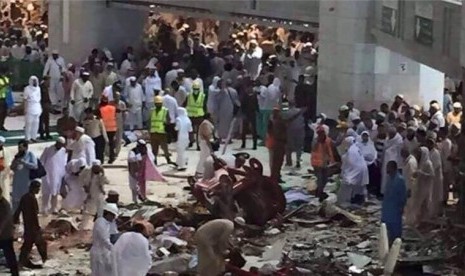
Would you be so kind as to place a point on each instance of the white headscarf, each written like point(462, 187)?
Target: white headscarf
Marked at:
point(425, 164)
point(354, 169)
point(183, 123)
point(213, 90)
point(367, 149)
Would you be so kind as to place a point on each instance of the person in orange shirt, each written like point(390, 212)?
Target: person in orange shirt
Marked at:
point(108, 113)
point(322, 158)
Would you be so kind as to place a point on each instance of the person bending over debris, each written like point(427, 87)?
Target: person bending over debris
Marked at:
point(212, 240)
point(395, 197)
point(29, 207)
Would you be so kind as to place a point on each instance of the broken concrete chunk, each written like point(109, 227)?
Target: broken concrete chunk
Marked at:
point(360, 261)
point(178, 263)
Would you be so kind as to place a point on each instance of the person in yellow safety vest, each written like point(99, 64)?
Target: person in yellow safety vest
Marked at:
point(159, 117)
point(195, 110)
point(4, 86)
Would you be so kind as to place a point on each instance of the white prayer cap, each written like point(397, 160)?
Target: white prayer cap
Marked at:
point(239, 220)
point(180, 70)
point(55, 52)
point(185, 26)
point(96, 162)
point(81, 162)
point(175, 64)
point(132, 79)
point(403, 125)
point(79, 129)
point(150, 66)
point(381, 114)
point(308, 44)
point(61, 140)
point(141, 142)
point(253, 41)
point(210, 45)
point(435, 106)
point(343, 108)
point(113, 192)
point(110, 64)
point(457, 105)
point(2, 140)
point(85, 73)
point(400, 96)
point(416, 107)
point(112, 208)
point(69, 65)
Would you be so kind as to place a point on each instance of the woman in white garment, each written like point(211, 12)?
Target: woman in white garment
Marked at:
point(437, 194)
point(392, 147)
point(32, 108)
point(354, 174)
point(76, 194)
point(370, 155)
point(213, 90)
point(425, 179)
point(183, 126)
point(206, 134)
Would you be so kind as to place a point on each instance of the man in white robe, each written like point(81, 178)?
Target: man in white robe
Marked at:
point(437, 193)
point(83, 147)
point(93, 179)
point(81, 93)
point(32, 108)
point(184, 127)
point(151, 84)
point(392, 148)
point(53, 70)
point(76, 195)
point(171, 75)
point(53, 159)
point(131, 254)
point(100, 254)
point(409, 169)
point(135, 98)
point(252, 59)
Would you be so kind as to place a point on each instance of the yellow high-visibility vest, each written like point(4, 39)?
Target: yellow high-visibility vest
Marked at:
point(158, 120)
point(195, 107)
point(4, 84)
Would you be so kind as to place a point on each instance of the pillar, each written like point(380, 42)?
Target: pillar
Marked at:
point(351, 67)
point(93, 24)
point(346, 54)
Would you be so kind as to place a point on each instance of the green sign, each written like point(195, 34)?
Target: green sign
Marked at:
point(389, 20)
point(424, 30)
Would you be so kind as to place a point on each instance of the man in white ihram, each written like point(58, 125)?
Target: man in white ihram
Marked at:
point(100, 253)
point(32, 108)
point(53, 159)
point(83, 147)
point(54, 68)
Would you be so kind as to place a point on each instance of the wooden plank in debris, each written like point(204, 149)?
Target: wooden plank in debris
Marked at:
point(308, 223)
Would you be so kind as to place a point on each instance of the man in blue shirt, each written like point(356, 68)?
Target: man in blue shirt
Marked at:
point(394, 201)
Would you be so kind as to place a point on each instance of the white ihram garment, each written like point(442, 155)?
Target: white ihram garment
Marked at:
point(183, 126)
point(100, 253)
point(131, 255)
point(33, 109)
point(53, 161)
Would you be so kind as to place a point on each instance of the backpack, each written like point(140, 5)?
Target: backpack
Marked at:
point(37, 173)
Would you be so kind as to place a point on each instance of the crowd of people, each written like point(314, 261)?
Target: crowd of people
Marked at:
point(260, 82)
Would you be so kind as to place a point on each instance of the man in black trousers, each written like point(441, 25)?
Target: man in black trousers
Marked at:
point(7, 235)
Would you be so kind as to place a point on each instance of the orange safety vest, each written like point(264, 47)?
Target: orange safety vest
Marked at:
point(317, 153)
point(108, 113)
